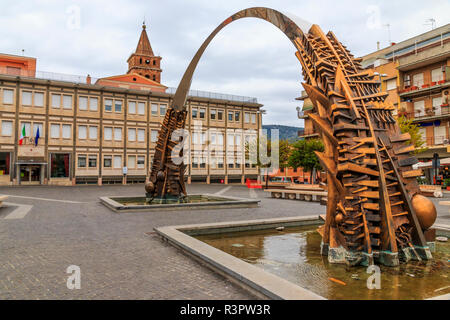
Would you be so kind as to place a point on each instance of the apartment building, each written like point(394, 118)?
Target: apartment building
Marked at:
point(65, 130)
point(416, 74)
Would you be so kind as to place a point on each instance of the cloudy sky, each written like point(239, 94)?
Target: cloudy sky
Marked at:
point(250, 57)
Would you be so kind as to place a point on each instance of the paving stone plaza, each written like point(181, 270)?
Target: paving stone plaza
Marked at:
point(43, 230)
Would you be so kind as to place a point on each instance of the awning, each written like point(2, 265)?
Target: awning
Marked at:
point(422, 165)
point(429, 164)
point(30, 162)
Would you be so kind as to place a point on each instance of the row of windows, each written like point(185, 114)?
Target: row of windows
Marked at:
point(86, 103)
point(91, 133)
point(65, 101)
point(215, 114)
point(33, 98)
point(64, 131)
point(85, 132)
point(111, 161)
point(7, 128)
point(217, 138)
point(218, 163)
point(419, 106)
point(418, 78)
point(60, 163)
point(138, 162)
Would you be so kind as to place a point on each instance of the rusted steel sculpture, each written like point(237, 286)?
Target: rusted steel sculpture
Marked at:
point(371, 183)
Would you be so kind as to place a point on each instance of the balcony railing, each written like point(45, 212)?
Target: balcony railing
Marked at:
point(435, 141)
point(443, 110)
point(90, 80)
point(417, 87)
point(47, 75)
point(213, 95)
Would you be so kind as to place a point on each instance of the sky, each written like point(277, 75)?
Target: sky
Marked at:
point(250, 57)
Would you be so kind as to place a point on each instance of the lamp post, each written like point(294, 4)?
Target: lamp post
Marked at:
point(299, 112)
point(380, 76)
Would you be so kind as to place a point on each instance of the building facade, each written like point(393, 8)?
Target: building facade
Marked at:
point(78, 132)
point(416, 74)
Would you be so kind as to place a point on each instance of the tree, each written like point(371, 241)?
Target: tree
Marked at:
point(406, 126)
point(303, 156)
point(285, 149)
point(253, 146)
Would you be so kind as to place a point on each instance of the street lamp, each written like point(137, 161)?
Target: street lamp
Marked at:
point(299, 112)
point(381, 75)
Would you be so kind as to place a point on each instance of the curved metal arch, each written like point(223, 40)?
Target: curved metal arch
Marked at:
point(364, 149)
point(292, 26)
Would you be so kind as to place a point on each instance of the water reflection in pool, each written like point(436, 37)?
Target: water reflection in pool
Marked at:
point(294, 254)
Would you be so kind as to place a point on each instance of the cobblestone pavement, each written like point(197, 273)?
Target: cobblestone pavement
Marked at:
point(117, 259)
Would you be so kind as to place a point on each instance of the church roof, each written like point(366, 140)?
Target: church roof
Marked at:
point(144, 47)
point(132, 81)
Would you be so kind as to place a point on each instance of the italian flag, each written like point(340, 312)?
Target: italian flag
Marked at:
point(22, 135)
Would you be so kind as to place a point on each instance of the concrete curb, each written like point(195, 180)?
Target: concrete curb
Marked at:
point(251, 278)
point(228, 203)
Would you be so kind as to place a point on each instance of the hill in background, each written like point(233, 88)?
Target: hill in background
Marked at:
point(285, 132)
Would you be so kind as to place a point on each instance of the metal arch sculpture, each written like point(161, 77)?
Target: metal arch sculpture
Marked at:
point(369, 168)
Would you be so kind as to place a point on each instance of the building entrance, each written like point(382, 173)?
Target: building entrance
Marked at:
point(30, 174)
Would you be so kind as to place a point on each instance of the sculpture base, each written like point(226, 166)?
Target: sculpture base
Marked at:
point(343, 256)
point(389, 258)
point(191, 202)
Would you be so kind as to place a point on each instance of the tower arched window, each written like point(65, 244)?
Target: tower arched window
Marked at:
point(140, 60)
point(154, 78)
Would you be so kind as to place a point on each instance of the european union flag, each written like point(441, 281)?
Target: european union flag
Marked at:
point(36, 139)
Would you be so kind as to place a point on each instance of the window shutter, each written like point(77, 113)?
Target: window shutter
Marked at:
point(8, 96)
point(66, 129)
point(93, 132)
point(54, 131)
point(82, 132)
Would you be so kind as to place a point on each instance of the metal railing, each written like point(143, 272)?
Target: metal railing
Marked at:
point(214, 95)
point(435, 141)
point(47, 75)
point(90, 80)
point(420, 86)
point(442, 110)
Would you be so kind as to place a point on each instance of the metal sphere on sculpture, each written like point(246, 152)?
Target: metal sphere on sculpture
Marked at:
point(425, 211)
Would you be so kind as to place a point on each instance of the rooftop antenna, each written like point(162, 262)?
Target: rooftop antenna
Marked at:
point(431, 22)
point(389, 32)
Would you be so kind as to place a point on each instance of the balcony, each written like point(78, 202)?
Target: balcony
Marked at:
point(419, 89)
point(435, 142)
point(428, 114)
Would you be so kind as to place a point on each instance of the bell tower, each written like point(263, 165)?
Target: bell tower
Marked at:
point(143, 61)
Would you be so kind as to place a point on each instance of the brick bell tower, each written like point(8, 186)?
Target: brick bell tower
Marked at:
point(143, 61)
